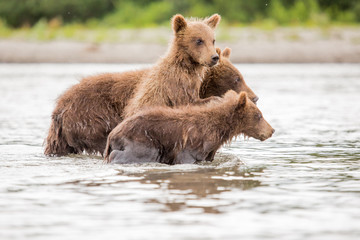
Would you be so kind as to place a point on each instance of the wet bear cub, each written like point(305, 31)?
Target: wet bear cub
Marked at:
point(186, 134)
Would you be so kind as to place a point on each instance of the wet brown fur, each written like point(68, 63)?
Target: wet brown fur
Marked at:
point(200, 130)
point(88, 111)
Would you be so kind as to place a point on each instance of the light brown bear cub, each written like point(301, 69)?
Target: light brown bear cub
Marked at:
point(187, 134)
point(176, 79)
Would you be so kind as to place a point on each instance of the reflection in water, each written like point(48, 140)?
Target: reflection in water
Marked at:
point(206, 182)
point(303, 183)
point(196, 185)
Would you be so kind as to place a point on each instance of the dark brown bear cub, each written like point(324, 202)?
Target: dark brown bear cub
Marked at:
point(186, 134)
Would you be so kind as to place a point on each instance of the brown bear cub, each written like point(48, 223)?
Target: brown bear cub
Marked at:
point(176, 78)
point(87, 112)
point(187, 134)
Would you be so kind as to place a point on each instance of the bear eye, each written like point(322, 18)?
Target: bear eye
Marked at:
point(213, 42)
point(199, 41)
point(258, 116)
point(237, 79)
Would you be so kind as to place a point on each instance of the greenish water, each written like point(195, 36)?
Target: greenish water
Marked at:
point(303, 183)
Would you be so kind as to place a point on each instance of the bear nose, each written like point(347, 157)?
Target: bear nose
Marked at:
point(215, 58)
point(273, 131)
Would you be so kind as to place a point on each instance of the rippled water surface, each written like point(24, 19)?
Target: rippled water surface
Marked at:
point(303, 183)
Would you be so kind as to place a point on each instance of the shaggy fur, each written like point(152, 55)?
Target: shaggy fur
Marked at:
point(186, 134)
point(87, 112)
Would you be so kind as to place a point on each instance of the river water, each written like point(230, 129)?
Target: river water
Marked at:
point(303, 183)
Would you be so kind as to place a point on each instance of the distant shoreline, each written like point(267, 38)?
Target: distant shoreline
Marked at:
point(248, 46)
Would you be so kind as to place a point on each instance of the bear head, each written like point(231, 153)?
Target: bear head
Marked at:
point(248, 119)
point(196, 39)
point(224, 76)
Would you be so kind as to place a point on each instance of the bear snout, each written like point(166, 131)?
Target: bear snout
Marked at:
point(255, 99)
point(263, 137)
point(214, 59)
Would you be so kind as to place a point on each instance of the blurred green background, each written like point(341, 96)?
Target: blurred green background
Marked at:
point(142, 13)
point(49, 19)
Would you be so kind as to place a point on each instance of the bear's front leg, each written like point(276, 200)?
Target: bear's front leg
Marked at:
point(185, 157)
point(210, 156)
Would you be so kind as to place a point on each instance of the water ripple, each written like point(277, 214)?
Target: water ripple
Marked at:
point(303, 183)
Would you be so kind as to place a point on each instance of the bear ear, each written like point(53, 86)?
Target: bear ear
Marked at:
point(226, 53)
point(242, 99)
point(230, 94)
point(213, 20)
point(178, 23)
point(218, 51)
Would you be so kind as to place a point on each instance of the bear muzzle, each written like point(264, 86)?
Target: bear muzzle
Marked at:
point(214, 60)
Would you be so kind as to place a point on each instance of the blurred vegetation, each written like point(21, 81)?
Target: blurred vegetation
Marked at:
point(19, 13)
point(47, 19)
